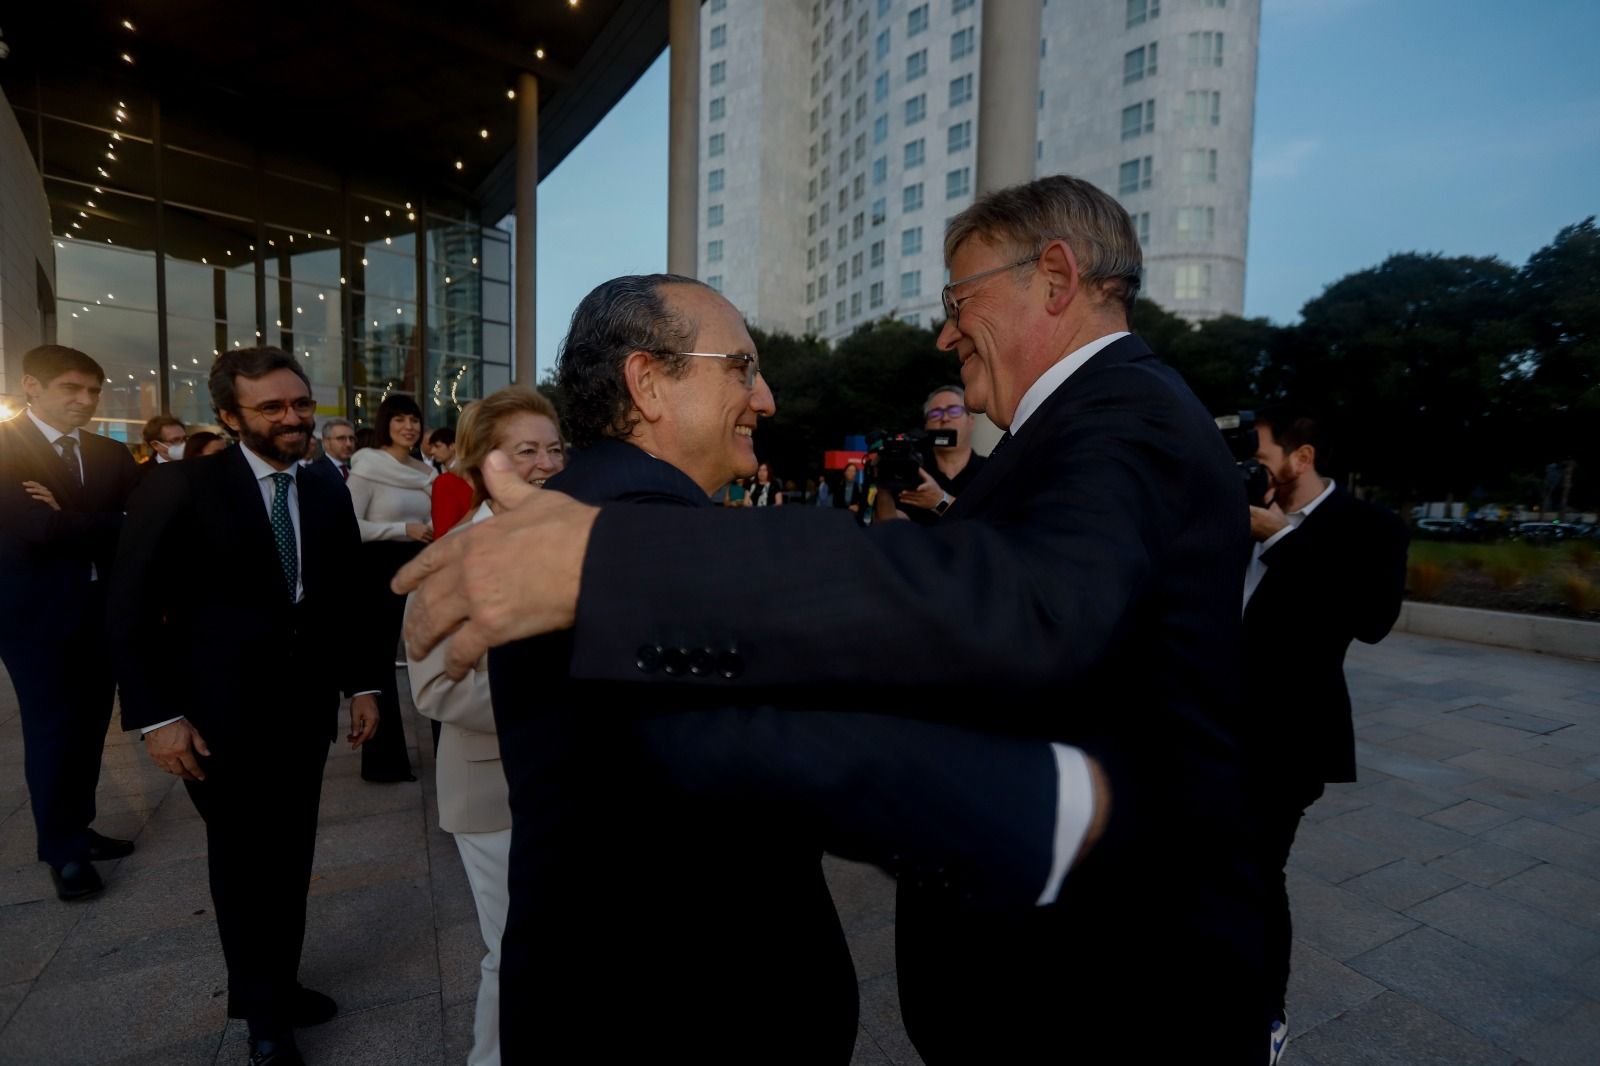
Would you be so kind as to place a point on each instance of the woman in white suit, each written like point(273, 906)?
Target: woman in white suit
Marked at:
point(473, 804)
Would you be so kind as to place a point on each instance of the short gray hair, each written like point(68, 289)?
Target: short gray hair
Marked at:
point(957, 389)
point(1022, 219)
point(329, 423)
point(619, 317)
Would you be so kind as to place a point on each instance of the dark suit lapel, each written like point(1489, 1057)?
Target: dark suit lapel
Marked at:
point(1037, 427)
point(48, 466)
point(1326, 514)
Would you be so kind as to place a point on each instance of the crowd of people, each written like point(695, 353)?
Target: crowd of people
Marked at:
point(1022, 690)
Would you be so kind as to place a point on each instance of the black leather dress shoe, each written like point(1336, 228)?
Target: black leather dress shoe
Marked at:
point(76, 880)
point(311, 1008)
point(281, 1052)
point(104, 849)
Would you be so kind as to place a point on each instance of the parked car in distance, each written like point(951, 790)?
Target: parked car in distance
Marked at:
point(1443, 529)
point(1548, 532)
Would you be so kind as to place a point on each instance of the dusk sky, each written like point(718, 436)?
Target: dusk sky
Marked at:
point(1467, 127)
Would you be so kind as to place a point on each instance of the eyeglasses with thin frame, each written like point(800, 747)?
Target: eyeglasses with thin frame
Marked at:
point(752, 366)
point(952, 306)
point(945, 414)
point(277, 410)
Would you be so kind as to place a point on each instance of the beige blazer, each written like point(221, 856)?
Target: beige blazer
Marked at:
point(473, 796)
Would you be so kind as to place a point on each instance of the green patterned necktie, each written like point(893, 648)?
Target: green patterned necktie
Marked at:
point(283, 530)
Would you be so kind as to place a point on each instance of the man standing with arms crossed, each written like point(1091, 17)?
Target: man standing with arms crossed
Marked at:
point(231, 665)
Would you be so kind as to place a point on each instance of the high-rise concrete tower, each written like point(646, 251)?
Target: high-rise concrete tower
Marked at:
point(839, 136)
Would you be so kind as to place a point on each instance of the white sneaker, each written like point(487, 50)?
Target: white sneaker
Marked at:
point(1278, 1040)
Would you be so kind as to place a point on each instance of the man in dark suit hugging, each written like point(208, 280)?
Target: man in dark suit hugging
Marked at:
point(1082, 590)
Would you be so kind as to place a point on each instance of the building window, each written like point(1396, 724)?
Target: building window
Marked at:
point(916, 108)
point(813, 120)
point(961, 42)
point(1196, 225)
point(717, 6)
point(857, 264)
point(861, 107)
point(914, 153)
point(911, 197)
point(875, 294)
point(858, 186)
point(958, 183)
point(1205, 49)
point(811, 323)
point(811, 224)
point(880, 170)
point(911, 241)
point(719, 35)
point(960, 137)
point(1193, 282)
point(822, 285)
point(1139, 64)
point(714, 252)
point(883, 8)
point(880, 88)
point(1199, 166)
point(855, 304)
point(916, 64)
point(1134, 175)
point(861, 62)
point(822, 319)
point(813, 153)
point(715, 281)
point(816, 82)
point(844, 235)
point(1044, 47)
point(838, 312)
point(875, 254)
point(719, 72)
point(957, 6)
point(822, 250)
point(811, 259)
point(713, 216)
point(916, 20)
point(811, 190)
point(1138, 119)
point(1203, 108)
point(880, 129)
point(858, 224)
point(881, 47)
point(860, 147)
point(715, 179)
point(1213, 3)
point(910, 284)
point(1140, 11)
point(716, 144)
point(719, 107)
point(840, 275)
point(844, 199)
point(960, 90)
point(1142, 222)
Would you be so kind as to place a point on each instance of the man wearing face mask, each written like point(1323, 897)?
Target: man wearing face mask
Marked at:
point(1327, 569)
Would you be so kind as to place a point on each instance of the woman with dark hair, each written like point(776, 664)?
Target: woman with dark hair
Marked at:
point(203, 442)
point(474, 805)
point(764, 492)
point(392, 496)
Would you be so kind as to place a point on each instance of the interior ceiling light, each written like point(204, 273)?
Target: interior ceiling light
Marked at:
point(127, 25)
point(484, 134)
point(538, 53)
point(126, 58)
point(460, 165)
point(511, 94)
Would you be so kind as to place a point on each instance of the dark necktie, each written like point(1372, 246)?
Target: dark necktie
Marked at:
point(69, 455)
point(344, 471)
point(283, 530)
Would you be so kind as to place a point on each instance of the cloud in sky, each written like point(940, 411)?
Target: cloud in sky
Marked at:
point(1285, 160)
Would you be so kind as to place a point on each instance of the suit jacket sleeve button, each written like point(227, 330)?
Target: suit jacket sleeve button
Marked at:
point(730, 664)
point(648, 658)
point(674, 661)
point(702, 661)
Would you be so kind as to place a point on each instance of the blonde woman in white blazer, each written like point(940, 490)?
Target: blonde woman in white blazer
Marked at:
point(473, 804)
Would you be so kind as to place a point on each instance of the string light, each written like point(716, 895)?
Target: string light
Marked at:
point(127, 25)
point(511, 94)
point(484, 134)
point(460, 165)
point(126, 58)
point(538, 53)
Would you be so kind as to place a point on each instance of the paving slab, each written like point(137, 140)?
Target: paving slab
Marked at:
point(1402, 884)
point(1470, 816)
point(1498, 923)
point(1391, 1030)
point(1556, 891)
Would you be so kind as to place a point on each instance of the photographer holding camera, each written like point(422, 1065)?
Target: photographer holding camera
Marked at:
point(1327, 569)
point(953, 467)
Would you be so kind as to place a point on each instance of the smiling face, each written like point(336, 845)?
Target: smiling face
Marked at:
point(711, 416)
point(67, 402)
point(405, 430)
point(534, 444)
point(992, 321)
point(280, 443)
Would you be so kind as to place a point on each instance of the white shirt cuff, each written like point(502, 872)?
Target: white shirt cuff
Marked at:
point(1074, 813)
point(1279, 535)
point(366, 692)
point(148, 728)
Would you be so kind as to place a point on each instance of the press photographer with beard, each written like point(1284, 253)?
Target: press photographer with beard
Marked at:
point(1327, 569)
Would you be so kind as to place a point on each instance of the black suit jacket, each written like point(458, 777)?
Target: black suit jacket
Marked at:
point(1084, 588)
point(1339, 577)
point(46, 555)
point(204, 626)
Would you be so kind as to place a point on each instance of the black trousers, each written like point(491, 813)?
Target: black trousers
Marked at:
point(64, 690)
point(384, 758)
point(259, 802)
point(1280, 813)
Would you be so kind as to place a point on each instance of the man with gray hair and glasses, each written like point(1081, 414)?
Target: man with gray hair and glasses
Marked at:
point(1083, 590)
point(954, 466)
point(338, 445)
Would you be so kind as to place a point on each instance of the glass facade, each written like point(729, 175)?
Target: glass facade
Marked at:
point(173, 243)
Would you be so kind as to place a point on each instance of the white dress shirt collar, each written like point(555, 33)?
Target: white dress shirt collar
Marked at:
point(51, 433)
point(1257, 568)
point(1052, 379)
point(261, 468)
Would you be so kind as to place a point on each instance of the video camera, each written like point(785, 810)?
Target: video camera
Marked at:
point(1239, 430)
point(901, 454)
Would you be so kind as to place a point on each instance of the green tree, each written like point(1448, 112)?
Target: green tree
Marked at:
point(1560, 297)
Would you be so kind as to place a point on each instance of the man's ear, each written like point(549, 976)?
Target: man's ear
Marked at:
point(1305, 458)
point(1060, 267)
point(31, 387)
point(230, 420)
point(643, 374)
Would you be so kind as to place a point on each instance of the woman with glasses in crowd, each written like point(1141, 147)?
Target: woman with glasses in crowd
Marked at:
point(473, 803)
point(391, 491)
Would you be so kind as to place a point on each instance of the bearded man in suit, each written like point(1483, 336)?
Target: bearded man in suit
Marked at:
point(63, 491)
point(231, 663)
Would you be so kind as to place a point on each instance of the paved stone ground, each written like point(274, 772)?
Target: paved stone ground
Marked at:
point(1447, 905)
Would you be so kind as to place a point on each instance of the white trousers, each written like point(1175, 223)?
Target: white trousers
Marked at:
point(487, 858)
